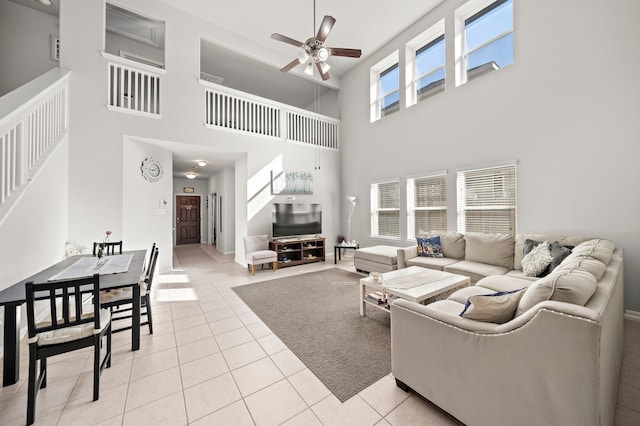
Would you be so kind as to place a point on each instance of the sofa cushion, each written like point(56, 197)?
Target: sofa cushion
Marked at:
point(452, 243)
point(585, 263)
point(387, 255)
point(494, 307)
point(536, 261)
point(429, 247)
point(431, 262)
point(572, 286)
point(474, 270)
point(518, 252)
point(597, 248)
point(503, 283)
point(492, 249)
point(517, 273)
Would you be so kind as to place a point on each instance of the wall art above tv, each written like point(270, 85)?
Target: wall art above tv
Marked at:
point(291, 183)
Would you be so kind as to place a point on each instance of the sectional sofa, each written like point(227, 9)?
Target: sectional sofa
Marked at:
point(554, 359)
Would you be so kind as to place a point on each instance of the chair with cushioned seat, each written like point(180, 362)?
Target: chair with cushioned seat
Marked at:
point(108, 248)
point(70, 324)
point(257, 252)
point(117, 300)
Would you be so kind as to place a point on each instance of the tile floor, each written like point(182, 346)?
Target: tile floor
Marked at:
point(212, 361)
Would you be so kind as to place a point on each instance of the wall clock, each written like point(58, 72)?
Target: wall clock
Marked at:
point(151, 169)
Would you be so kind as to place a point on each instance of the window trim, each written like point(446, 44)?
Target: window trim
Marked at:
point(374, 209)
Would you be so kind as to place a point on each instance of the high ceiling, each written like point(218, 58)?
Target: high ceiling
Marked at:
point(246, 58)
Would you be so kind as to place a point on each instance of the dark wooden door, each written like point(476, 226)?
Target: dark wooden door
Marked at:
point(187, 219)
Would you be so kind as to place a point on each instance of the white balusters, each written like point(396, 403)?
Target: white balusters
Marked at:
point(133, 89)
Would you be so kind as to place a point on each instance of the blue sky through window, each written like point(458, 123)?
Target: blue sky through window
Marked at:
point(480, 29)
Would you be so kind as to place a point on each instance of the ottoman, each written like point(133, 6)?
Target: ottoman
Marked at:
point(376, 259)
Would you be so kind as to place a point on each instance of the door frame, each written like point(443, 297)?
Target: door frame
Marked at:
point(203, 214)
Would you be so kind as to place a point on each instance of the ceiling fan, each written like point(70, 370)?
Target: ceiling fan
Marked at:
point(313, 51)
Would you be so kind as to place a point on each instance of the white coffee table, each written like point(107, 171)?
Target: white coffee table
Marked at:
point(413, 283)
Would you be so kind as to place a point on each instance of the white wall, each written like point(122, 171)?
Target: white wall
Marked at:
point(567, 110)
point(31, 57)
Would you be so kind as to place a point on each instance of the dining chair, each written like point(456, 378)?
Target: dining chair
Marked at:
point(69, 325)
point(108, 248)
point(120, 301)
point(256, 248)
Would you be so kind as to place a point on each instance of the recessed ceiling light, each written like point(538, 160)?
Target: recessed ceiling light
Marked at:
point(202, 163)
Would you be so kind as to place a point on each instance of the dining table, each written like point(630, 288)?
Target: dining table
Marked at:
point(12, 298)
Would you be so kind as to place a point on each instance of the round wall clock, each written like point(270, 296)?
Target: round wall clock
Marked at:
point(151, 170)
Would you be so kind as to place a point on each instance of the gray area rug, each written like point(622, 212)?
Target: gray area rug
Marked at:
point(318, 317)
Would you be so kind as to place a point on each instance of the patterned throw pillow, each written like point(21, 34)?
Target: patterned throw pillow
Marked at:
point(537, 260)
point(429, 247)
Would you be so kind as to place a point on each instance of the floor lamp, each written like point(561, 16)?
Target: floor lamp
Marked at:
point(352, 199)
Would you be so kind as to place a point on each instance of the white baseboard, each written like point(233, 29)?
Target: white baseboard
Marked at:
point(632, 315)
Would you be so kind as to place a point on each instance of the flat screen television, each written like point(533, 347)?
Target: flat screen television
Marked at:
point(290, 219)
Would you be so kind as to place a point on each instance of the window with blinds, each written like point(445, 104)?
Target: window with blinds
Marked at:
point(426, 204)
point(385, 209)
point(487, 199)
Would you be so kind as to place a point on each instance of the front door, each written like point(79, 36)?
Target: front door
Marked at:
point(187, 219)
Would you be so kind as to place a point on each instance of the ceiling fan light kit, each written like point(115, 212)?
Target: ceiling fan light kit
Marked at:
point(313, 50)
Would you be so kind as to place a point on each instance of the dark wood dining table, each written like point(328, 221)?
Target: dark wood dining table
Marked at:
point(14, 296)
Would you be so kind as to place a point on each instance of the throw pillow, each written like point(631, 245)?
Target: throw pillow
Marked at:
point(429, 247)
point(529, 245)
point(498, 307)
point(558, 254)
point(536, 261)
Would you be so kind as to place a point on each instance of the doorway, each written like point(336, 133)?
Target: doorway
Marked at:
point(187, 219)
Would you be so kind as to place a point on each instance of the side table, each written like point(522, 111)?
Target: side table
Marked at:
point(337, 254)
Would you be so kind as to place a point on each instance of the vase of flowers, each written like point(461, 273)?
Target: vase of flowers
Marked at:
point(102, 246)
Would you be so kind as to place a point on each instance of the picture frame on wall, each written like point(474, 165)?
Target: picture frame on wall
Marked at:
point(291, 183)
point(188, 189)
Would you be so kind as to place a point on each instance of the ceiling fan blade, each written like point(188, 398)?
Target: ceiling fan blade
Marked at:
point(325, 27)
point(325, 76)
point(339, 51)
point(290, 65)
point(286, 39)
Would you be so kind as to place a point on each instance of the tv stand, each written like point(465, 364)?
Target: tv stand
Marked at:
point(298, 251)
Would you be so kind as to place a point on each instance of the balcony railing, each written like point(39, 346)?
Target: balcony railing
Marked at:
point(237, 111)
point(35, 117)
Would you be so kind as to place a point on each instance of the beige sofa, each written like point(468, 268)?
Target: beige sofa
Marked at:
point(556, 362)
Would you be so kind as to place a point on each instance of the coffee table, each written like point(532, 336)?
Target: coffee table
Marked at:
point(413, 283)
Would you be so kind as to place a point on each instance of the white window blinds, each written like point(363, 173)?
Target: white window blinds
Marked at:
point(385, 209)
point(487, 199)
point(426, 204)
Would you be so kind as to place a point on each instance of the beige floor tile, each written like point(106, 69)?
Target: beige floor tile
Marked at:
point(188, 322)
point(243, 354)
point(288, 362)
point(203, 369)
point(210, 303)
point(272, 344)
point(306, 418)
point(153, 387)
point(154, 363)
point(166, 411)
point(54, 395)
point(249, 318)
point(275, 404)
point(235, 414)
point(150, 344)
point(233, 338)
point(310, 388)
point(259, 329)
point(198, 349)
point(186, 311)
point(384, 395)
point(192, 334)
point(85, 411)
point(220, 314)
point(257, 375)
point(210, 396)
point(224, 325)
point(117, 374)
point(414, 410)
point(160, 317)
point(354, 411)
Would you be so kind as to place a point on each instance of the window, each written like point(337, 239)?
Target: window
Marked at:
point(385, 209)
point(385, 87)
point(487, 29)
point(487, 199)
point(425, 64)
point(426, 204)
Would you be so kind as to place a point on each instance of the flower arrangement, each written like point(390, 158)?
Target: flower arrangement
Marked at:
point(102, 245)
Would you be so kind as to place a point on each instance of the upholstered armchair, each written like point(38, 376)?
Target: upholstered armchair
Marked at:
point(257, 252)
